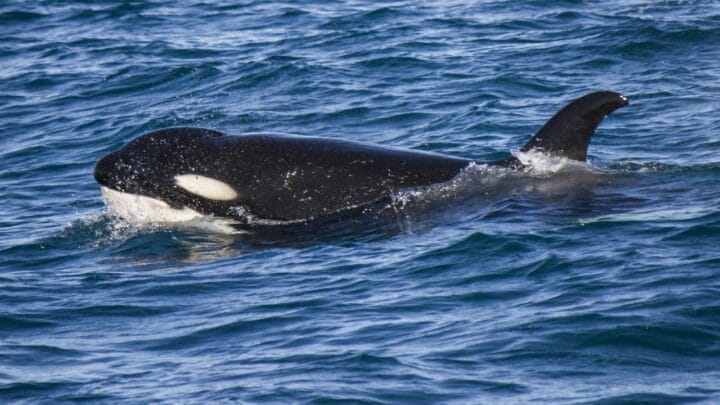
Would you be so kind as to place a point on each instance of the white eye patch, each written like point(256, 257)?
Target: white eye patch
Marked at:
point(206, 187)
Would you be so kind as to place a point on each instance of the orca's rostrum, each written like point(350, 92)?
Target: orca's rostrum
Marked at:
point(183, 173)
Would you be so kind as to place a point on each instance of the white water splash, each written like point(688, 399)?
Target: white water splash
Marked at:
point(540, 163)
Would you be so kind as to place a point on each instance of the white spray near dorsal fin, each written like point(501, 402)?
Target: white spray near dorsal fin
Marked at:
point(206, 187)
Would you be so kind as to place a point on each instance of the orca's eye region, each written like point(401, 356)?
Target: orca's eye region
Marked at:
point(206, 187)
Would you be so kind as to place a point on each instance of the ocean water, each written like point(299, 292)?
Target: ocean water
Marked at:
point(601, 287)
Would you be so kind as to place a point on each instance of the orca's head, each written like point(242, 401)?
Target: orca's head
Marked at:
point(177, 166)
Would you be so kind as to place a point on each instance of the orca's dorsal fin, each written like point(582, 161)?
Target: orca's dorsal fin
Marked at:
point(569, 131)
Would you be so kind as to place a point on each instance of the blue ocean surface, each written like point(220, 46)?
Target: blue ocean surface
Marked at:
point(605, 292)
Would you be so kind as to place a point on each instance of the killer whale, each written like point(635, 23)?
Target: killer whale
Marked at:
point(189, 172)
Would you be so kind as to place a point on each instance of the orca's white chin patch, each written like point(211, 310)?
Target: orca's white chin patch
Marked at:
point(142, 209)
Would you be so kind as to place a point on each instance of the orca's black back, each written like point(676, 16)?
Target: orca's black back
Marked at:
point(293, 177)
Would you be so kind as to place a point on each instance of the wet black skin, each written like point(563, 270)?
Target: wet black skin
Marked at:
point(285, 177)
